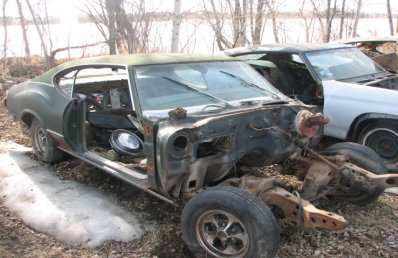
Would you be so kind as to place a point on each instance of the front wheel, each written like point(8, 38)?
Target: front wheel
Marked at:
point(229, 222)
point(43, 145)
point(362, 157)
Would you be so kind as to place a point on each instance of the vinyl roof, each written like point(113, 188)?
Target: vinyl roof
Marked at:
point(132, 60)
point(290, 48)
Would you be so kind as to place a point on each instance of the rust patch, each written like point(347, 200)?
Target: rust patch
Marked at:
point(308, 123)
point(302, 211)
point(150, 168)
point(148, 130)
point(177, 113)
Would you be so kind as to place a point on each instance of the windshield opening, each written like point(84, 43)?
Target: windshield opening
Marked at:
point(343, 63)
point(167, 86)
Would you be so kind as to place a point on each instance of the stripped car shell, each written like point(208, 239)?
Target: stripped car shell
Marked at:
point(178, 127)
point(355, 93)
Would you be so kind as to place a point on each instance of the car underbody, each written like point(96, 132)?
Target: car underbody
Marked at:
point(199, 152)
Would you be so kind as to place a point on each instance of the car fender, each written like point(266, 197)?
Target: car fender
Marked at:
point(43, 101)
point(345, 102)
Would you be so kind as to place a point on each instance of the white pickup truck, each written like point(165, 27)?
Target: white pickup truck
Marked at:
point(358, 96)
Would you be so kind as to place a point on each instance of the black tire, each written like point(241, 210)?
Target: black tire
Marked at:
point(43, 145)
point(210, 210)
point(363, 157)
point(382, 137)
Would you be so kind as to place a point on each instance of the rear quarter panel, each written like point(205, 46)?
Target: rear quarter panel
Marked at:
point(344, 102)
point(43, 101)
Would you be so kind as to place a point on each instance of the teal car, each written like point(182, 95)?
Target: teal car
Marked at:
point(179, 126)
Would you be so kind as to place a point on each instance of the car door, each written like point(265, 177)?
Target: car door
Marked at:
point(90, 89)
point(73, 121)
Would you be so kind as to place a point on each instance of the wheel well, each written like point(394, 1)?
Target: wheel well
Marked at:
point(364, 120)
point(27, 119)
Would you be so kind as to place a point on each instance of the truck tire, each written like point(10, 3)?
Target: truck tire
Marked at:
point(229, 222)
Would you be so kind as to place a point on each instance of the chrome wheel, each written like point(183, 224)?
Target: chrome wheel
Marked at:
point(41, 140)
point(222, 234)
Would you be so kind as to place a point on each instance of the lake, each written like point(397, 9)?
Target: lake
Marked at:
point(196, 36)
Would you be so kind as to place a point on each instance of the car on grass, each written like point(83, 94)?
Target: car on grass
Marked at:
point(356, 94)
point(179, 126)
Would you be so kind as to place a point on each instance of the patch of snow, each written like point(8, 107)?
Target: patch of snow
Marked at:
point(71, 212)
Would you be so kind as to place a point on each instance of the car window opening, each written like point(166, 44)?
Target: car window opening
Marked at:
point(110, 127)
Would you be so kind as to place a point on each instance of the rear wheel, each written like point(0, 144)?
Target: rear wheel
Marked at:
point(382, 137)
point(229, 222)
point(43, 145)
point(365, 158)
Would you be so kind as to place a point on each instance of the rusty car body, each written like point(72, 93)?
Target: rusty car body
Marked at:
point(178, 127)
point(356, 94)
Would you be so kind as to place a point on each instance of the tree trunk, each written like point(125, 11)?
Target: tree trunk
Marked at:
point(273, 19)
point(5, 38)
point(124, 26)
point(47, 22)
point(342, 19)
point(358, 13)
point(258, 27)
point(236, 24)
point(175, 38)
point(390, 18)
point(43, 43)
point(23, 27)
point(110, 9)
point(242, 24)
point(330, 13)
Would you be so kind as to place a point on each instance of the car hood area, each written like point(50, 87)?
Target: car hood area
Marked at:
point(361, 100)
point(384, 80)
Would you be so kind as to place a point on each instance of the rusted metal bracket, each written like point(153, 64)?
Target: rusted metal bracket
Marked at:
point(380, 181)
point(311, 217)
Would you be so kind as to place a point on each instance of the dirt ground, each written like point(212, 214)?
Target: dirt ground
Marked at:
point(372, 230)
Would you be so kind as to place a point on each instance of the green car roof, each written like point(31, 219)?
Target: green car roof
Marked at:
point(132, 60)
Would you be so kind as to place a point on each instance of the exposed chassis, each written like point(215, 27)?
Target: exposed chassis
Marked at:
point(321, 175)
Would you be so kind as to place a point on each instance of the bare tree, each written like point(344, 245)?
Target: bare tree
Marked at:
point(176, 26)
point(272, 7)
point(357, 15)
point(328, 12)
point(111, 11)
point(259, 20)
point(102, 13)
point(40, 33)
point(342, 17)
point(228, 21)
point(390, 18)
point(308, 18)
point(5, 36)
point(120, 28)
point(24, 28)
point(124, 27)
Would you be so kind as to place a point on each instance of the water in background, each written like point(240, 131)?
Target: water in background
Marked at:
point(195, 36)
